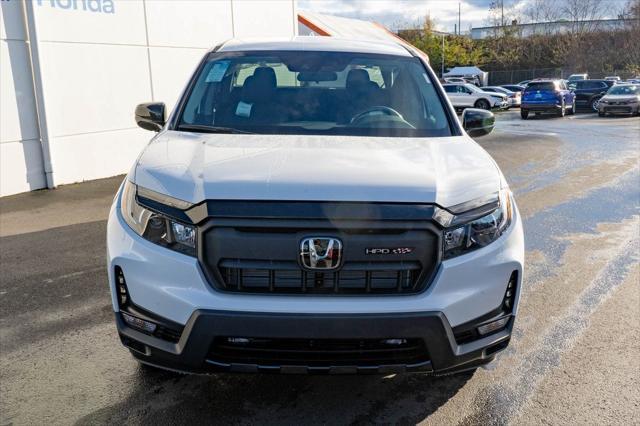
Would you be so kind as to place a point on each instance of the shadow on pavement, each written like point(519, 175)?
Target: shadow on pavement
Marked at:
point(168, 398)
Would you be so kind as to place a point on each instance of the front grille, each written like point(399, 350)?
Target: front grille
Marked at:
point(385, 248)
point(317, 352)
point(618, 109)
point(386, 278)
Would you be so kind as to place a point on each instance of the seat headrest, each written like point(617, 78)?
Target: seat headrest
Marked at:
point(358, 78)
point(260, 86)
point(265, 76)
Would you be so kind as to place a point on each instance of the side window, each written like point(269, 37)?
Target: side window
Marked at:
point(450, 89)
point(375, 75)
point(284, 77)
point(461, 89)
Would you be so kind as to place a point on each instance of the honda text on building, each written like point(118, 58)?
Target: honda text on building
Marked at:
point(314, 206)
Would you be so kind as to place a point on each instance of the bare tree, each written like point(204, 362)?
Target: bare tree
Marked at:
point(542, 11)
point(631, 11)
point(583, 13)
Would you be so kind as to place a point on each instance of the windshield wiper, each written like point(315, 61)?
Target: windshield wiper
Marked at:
point(209, 129)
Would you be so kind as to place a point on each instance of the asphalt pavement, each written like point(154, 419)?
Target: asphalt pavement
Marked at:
point(574, 357)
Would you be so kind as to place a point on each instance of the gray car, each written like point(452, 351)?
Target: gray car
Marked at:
point(620, 99)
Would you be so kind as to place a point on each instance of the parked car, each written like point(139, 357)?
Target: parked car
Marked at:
point(620, 99)
point(471, 79)
point(513, 98)
point(293, 228)
point(514, 88)
point(467, 96)
point(523, 83)
point(576, 77)
point(613, 78)
point(544, 96)
point(589, 92)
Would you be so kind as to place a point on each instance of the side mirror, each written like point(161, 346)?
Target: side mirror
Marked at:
point(478, 122)
point(150, 116)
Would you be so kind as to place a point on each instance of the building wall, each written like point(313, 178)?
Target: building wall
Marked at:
point(558, 27)
point(99, 58)
point(21, 165)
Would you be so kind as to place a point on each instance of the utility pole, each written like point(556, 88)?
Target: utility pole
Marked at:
point(502, 11)
point(459, 27)
point(442, 74)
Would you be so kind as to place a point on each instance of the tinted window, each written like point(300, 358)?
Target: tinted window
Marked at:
point(546, 85)
point(450, 89)
point(296, 92)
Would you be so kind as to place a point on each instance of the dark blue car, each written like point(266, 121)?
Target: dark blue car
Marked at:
point(547, 96)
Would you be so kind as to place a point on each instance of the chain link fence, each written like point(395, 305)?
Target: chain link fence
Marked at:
point(515, 76)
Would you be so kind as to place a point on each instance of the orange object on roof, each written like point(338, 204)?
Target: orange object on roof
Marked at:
point(318, 24)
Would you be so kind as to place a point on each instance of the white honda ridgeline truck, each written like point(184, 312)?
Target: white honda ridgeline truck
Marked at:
point(313, 205)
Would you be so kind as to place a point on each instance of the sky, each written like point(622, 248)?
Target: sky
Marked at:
point(396, 14)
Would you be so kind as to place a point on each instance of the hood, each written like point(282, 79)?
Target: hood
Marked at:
point(196, 167)
point(495, 94)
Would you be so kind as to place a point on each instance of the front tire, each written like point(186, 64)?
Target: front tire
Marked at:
point(524, 114)
point(594, 104)
point(482, 104)
point(572, 111)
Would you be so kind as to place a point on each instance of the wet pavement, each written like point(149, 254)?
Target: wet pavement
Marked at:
point(574, 357)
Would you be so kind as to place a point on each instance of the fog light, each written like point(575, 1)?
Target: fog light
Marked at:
point(121, 284)
point(395, 342)
point(493, 326)
point(238, 340)
point(138, 323)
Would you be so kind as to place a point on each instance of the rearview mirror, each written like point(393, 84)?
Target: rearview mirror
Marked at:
point(478, 122)
point(150, 116)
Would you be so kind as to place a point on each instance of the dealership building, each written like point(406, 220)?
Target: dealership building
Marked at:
point(72, 72)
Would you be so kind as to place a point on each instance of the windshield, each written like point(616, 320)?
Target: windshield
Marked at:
point(297, 92)
point(624, 90)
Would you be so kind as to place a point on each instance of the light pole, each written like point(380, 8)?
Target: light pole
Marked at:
point(442, 74)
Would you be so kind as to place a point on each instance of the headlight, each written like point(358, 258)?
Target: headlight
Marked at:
point(476, 228)
point(604, 101)
point(155, 227)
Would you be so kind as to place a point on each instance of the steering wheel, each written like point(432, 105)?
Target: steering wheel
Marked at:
point(379, 110)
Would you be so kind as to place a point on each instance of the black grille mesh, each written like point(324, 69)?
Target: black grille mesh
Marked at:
point(296, 280)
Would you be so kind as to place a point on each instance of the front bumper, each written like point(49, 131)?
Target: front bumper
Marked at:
point(171, 286)
point(514, 102)
point(501, 104)
point(198, 352)
point(619, 109)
